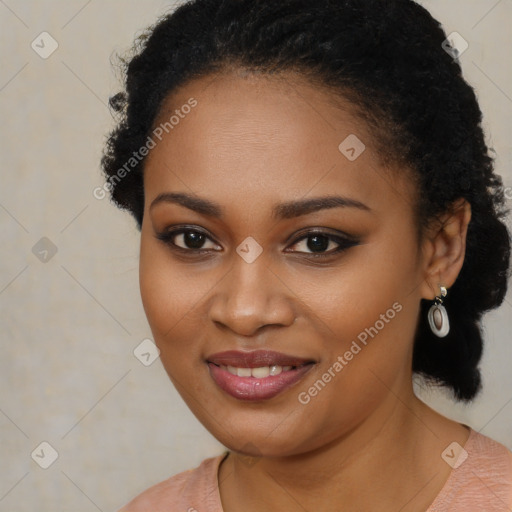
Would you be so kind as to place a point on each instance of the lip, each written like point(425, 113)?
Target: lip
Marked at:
point(256, 359)
point(251, 388)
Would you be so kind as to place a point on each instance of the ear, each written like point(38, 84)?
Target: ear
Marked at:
point(444, 249)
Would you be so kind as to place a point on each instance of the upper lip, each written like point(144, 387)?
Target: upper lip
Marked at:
point(256, 359)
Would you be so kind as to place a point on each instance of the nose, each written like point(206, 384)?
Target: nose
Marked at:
point(250, 297)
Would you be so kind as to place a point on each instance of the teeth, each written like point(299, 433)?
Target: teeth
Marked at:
point(260, 373)
point(257, 373)
point(275, 370)
point(243, 372)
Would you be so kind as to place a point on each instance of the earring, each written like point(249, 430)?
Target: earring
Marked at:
point(438, 317)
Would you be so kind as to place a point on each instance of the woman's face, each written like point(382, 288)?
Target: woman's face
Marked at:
point(254, 160)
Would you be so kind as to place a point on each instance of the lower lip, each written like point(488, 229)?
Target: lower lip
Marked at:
point(251, 388)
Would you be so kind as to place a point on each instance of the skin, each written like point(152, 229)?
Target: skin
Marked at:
point(365, 441)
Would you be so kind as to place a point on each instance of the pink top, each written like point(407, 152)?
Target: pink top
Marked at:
point(483, 482)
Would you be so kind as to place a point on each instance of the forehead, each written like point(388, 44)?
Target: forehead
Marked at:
point(256, 139)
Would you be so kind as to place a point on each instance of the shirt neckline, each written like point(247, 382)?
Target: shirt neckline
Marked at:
point(453, 476)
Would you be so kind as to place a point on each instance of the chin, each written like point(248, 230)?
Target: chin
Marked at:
point(258, 434)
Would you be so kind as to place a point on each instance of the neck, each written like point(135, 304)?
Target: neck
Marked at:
point(388, 460)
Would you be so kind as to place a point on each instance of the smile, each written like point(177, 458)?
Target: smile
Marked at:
point(258, 375)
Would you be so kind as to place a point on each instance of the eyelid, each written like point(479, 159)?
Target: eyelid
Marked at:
point(344, 242)
point(303, 233)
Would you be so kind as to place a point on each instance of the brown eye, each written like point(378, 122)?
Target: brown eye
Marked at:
point(189, 240)
point(317, 243)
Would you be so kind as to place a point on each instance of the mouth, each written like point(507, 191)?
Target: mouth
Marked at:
point(257, 375)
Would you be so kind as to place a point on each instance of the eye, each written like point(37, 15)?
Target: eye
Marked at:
point(187, 240)
point(192, 241)
point(318, 242)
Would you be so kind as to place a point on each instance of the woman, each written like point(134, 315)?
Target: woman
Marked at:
point(320, 220)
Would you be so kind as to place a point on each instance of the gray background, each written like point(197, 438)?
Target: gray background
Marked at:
point(70, 324)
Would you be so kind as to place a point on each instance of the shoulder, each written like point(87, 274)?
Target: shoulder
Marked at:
point(482, 477)
point(187, 491)
point(490, 460)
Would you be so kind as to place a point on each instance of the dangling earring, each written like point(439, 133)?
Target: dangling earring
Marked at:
point(438, 317)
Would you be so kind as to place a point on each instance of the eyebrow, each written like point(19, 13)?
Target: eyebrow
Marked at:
point(287, 210)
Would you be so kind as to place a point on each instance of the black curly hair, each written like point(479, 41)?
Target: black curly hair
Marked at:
point(386, 58)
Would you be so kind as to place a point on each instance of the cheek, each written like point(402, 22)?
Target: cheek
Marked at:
point(345, 301)
point(367, 317)
point(165, 291)
point(173, 294)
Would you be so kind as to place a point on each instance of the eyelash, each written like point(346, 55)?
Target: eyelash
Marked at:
point(344, 242)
